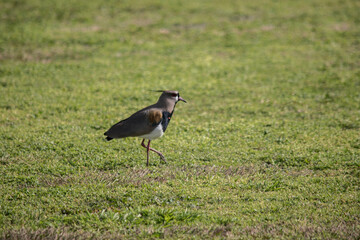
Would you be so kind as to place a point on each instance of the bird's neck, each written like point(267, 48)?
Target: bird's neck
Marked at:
point(167, 105)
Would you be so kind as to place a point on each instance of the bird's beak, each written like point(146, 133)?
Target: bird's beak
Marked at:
point(181, 99)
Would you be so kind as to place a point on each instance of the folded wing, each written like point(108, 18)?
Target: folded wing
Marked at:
point(140, 123)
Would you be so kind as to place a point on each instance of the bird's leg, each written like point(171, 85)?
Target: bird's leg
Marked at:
point(159, 153)
point(151, 149)
point(147, 152)
point(142, 143)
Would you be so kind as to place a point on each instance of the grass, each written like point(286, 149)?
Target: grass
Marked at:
point(268, 145)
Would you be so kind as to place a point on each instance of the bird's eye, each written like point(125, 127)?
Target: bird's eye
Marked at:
point(174, 94)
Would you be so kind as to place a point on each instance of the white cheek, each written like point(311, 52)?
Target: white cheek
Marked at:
point(177, 98)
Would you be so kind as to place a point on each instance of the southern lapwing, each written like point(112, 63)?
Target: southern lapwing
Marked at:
point(148, 123)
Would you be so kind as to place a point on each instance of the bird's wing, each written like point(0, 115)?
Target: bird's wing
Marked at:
point(140, 123)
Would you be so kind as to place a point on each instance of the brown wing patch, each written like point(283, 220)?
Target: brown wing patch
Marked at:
point(155, 116)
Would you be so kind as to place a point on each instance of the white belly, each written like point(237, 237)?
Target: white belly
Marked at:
point(156, 133)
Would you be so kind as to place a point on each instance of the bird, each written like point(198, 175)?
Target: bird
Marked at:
point(148, 123)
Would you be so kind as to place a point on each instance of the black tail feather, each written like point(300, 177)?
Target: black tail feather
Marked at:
point(109, 138)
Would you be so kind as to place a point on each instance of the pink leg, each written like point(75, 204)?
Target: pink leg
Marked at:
point(147, 152)
point(151, 149)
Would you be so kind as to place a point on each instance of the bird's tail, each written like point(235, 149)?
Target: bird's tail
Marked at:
point(107, 137)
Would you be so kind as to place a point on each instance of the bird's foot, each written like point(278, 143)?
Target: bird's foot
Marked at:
point(162, 158)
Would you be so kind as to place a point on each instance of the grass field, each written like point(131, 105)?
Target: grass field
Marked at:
point(268, 145)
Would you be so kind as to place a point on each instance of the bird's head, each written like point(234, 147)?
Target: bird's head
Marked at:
point(172, 96)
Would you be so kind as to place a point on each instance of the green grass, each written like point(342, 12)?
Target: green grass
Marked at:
point(268, 145)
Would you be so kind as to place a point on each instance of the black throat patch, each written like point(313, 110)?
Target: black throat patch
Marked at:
point(166, 119)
